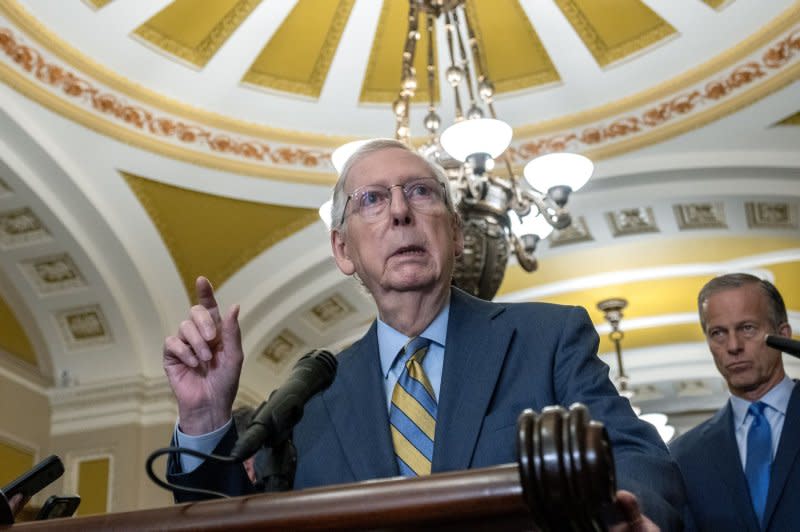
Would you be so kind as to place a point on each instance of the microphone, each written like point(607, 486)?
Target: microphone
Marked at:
point(787, 345)
point(276, 416)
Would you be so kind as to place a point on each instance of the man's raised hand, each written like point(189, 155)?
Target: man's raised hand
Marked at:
point(203, 362)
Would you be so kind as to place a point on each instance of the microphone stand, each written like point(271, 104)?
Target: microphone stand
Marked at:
point(6, 515)
point(276, 467)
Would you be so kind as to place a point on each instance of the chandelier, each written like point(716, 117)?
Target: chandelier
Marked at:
point(612, 310)
point(502, 212)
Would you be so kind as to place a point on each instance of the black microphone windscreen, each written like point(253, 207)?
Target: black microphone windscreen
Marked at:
point(787, 345)
point(274, 419)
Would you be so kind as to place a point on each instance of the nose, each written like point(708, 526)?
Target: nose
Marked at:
point(399, 209)
point(734, 344)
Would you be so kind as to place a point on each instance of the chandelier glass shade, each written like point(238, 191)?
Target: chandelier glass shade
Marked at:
point(558, 169)
point(342, 153)
point(502, 211)
point(479, 135)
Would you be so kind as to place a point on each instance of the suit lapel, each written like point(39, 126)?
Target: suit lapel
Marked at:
point(788, 448)
point(474, 354)
point(357, 405)
point(723, 453)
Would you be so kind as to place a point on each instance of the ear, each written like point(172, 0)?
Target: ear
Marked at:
point(784, 329)
point(340, 253)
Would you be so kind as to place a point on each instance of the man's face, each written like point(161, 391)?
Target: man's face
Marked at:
point(402, 250)
point(737, 320)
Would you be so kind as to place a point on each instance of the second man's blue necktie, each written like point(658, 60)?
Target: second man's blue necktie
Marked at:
point(759, 458)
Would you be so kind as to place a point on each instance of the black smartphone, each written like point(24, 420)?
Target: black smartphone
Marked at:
point(35, 479)
point(58, 506)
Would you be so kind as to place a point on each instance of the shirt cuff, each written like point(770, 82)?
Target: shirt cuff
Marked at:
point(204, 443)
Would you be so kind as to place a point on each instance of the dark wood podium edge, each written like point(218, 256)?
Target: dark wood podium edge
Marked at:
point(487, 498)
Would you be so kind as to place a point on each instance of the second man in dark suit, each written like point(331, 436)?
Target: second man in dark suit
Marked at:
point(742, 467)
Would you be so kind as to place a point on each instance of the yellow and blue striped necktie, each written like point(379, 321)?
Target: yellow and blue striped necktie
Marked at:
point(413, 413)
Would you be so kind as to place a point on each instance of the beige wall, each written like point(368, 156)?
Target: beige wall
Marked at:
point(127, 448)
point(25, 413)
point(25, 435)
point(24, 428)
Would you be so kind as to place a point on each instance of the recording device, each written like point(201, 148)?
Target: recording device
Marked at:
point(787, 345)
point(58, 506)
point(35, 479)
point(275, 418)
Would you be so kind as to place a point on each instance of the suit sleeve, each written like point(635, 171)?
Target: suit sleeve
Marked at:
point(643, 463)
point(230, 479)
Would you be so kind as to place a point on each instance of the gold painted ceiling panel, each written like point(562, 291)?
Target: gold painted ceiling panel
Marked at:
point(716, 4)
point(614, 29)
point(787, 279)
point(642, 254)
point(513, 54)
point(13, 338)
point(645, 298)
point(97, 4)
point(654, 336)
point(382, 79)
point(194, 30)
point(664, 296)
point(298, 56)
point(211, 235)
point(792, 120)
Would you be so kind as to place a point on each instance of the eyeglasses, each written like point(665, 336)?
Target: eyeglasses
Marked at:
point(424, 194)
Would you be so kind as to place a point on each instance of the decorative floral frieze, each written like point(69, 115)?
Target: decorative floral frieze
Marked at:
point(707, 94)
point(84, 92)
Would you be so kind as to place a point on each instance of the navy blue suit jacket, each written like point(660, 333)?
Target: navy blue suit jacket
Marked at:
point(499, 360)
point(718, 497)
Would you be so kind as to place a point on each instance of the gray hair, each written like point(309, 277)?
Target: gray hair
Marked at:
point(777, 308)
point(373, 146)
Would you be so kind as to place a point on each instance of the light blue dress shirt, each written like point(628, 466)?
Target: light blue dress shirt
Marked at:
point(777, 400)
point(390, 342)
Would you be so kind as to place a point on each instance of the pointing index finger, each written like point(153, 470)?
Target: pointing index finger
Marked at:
point(205, 297)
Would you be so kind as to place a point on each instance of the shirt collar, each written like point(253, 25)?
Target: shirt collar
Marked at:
point(777, 398)
point(390, 341)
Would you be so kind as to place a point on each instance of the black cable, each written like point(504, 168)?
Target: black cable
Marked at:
point(172, 487)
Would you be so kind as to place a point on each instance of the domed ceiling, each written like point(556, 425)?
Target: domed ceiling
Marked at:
point(145, 142)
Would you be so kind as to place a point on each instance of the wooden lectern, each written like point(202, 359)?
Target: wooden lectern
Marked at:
point(563, 480)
